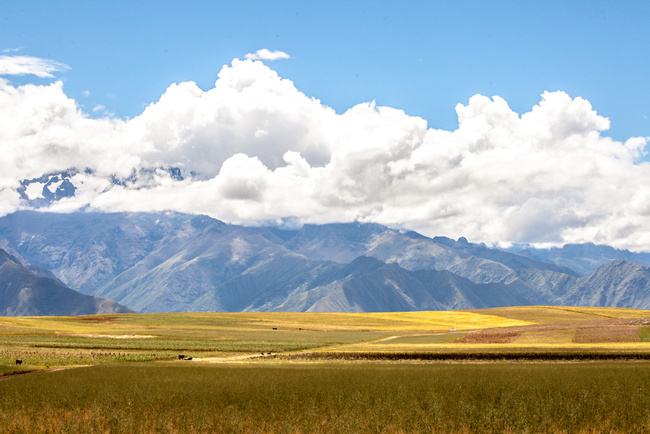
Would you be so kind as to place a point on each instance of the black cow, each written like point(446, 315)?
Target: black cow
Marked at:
point(181, 357)
point(19, 361)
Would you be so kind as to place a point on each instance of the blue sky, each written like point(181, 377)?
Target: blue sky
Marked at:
point(503, 121)
point(419, 56)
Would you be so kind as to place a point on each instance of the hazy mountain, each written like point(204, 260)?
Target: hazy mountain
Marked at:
point(344, 242)
point(222, 268)
point(389, 287)
point(618, 283)
point(23, 292)
point(584, 258)
point(87, 250)
point(292, 283)
point(176, 262)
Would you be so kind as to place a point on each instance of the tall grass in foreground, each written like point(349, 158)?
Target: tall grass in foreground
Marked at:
point(331, 397)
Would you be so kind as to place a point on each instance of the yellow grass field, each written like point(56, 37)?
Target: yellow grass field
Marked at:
point(519, 369)
point(43, 342)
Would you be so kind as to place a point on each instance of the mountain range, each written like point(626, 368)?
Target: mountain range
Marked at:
point(32, 292)
point(167, 262)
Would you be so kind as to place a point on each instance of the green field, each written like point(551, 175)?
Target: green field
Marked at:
point(331, 397)
point(525, 369)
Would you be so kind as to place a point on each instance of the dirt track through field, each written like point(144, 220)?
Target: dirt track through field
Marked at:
point(40, 371)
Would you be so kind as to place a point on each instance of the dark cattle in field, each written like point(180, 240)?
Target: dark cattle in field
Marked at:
point(19, 361)
point(275, 328)
point(181, 356)
point(188, 358)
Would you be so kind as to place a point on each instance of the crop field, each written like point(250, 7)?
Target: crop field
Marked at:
point(358, 397)
point(523, 369)
point(44, 342)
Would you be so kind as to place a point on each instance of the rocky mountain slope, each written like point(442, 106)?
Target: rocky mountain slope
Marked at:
point(176, 262)
point(23, 292)
point(584, 258)
point(617, 283)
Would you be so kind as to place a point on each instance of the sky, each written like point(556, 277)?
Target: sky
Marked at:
point(504, 122)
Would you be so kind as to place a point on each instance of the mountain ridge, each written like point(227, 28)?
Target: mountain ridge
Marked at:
point(165, 262)
point(24, 293)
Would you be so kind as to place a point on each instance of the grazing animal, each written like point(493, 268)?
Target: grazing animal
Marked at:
point(181, 356)
point(188, 358)
point(19, 361)
point(275, 328)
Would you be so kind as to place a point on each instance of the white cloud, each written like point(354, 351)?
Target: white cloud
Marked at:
point(261, 150)
point(27, 65)
point(265, 54)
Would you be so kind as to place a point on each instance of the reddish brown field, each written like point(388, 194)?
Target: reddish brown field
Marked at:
point(609, 331)
point(490, 336)
point(587, 332)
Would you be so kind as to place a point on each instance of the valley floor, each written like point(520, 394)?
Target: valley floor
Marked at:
point(525, 369)
point(530, 332)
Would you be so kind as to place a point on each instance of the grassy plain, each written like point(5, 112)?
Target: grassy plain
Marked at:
point(85, 340)
point(328, 397)
point(334, 372)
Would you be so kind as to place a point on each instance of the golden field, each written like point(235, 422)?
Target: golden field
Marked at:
point(59, 341)
point(520, 369)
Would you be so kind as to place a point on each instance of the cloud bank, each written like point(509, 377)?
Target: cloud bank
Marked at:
point(26, 65)
point(255, 149)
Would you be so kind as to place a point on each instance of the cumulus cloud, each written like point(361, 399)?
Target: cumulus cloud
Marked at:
point(27, 65)
point(254, 148)
point(265, 54)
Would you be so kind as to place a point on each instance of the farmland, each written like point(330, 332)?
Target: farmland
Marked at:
point(331, 397)
point(525, 369)
point(44, 342)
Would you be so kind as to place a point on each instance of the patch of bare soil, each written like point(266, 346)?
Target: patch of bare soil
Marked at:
point(489, 336)
point(607, 334)
point(604, 330)
point(636, 321)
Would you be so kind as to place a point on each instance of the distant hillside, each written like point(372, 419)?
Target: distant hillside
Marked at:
point(24, 293)
point(171, 262)
point(618, 284)
point(584, 258)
